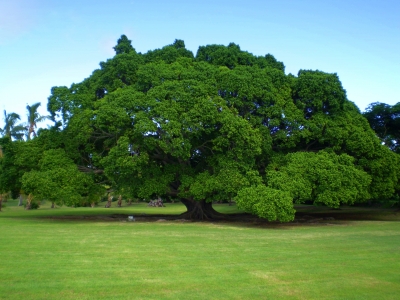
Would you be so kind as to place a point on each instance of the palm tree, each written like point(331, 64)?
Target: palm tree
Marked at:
point(33, 119)
point(11, 129)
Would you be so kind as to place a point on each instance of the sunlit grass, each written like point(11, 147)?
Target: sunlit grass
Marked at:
point(47, 258)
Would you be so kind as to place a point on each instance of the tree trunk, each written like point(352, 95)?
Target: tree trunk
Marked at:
point(92, 204)
point(28, 202)
point(109, 200)
point(200, 210)
point(20, 200)
point(1, 200)
point(52, 205)
point(119, 201)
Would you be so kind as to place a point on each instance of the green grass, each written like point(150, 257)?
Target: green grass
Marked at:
point(50, 258)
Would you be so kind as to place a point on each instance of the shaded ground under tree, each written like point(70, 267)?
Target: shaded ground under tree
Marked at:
point(306, 215)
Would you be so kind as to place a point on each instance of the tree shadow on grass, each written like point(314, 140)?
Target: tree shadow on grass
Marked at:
point(305, 216)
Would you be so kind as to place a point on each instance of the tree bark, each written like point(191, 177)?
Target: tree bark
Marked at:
point(28, 202)
point(1, 200)
point(200, 210)
point(20, 200)
point(109, 200)
point(119, 201)
point(52, 204)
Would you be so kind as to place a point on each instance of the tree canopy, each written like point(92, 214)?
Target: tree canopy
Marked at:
point(222, 124)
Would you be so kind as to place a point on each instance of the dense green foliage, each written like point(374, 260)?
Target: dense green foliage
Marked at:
point(385, 121)
point(58, 180)
point(321, 177)
point(219, 125)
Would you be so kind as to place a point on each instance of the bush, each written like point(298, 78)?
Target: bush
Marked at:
point(34, 205)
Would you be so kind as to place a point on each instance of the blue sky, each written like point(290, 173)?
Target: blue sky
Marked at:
point(45, 43)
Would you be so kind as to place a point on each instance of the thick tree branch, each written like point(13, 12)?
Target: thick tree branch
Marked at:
point(85, 169)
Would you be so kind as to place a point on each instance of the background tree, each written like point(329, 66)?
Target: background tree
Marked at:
point(385, 121)
point(20, 157)
point(33, 119)
point(10, 173)
point(57, 180)
point(11, 129)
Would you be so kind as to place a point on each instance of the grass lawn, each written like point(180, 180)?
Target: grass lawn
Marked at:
point(55, 258)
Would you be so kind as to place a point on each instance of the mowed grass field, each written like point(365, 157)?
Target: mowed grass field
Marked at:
point(62, 254)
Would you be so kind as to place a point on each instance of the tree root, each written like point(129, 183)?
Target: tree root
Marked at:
point(200, 210)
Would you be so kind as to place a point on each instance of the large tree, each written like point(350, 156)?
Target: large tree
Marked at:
point(219, 125)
